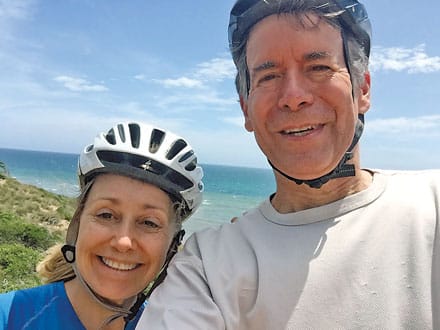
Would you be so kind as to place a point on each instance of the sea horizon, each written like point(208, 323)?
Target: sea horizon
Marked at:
point(229, 190)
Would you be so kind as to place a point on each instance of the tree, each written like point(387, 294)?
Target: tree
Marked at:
point(3, 170)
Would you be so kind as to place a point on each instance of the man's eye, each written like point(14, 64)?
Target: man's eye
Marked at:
point(320, 68)
point(267, 77)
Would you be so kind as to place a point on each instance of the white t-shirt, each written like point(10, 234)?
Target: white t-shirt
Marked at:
point(368, 261)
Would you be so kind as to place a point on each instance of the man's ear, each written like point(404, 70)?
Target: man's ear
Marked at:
point(244, 108)
point(364, 97)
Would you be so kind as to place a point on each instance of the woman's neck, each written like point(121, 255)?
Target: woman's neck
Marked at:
point(91, 313)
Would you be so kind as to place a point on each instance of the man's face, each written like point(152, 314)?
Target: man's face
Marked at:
point(300, 105)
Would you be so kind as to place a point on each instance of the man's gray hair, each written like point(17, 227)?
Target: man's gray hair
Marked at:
point(356, 59)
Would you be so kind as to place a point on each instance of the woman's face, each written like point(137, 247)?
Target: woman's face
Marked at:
point(125, 230)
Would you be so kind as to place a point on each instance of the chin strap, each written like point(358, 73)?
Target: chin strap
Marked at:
point(174, 247)
point(131, 305)
point(341, 170)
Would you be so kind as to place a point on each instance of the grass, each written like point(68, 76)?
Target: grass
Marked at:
point(31, 220)
point(35, 205)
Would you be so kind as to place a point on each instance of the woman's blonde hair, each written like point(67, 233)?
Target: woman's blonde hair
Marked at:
point(54, 267)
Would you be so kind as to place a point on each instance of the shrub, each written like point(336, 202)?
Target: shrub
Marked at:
point(17, 267)
point(15, 230)
point(4, 173)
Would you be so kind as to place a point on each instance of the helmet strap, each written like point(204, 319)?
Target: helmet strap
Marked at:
point(174, 247)
point(341, 170)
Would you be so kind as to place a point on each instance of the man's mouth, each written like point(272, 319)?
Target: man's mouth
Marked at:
point(299, 131)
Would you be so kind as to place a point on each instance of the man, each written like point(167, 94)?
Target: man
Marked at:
point(336, 246)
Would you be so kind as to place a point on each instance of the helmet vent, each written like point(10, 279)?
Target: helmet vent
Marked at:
point(135, 135)
point(191, 166)
point(156, 140)
point(121, 132)
point(186, 156)
point(176, 148)
point(110, 137)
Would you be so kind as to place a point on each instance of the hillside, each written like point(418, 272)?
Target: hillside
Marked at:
point(31, 220)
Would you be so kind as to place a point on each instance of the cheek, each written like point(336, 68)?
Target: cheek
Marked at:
point(255, 111)
point(156, 248)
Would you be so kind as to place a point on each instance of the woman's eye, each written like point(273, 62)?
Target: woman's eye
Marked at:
point(150, 224)
point(105, 215)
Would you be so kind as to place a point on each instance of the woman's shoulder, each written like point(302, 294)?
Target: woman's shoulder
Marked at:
point(43, 305)
point(40, 294)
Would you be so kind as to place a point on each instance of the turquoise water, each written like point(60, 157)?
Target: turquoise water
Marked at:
point(228, 190)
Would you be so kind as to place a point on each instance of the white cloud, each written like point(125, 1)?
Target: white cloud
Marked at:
point(196, 101)
point(180, 82)
point(411, 60)
point(237, 121)
point(203, 75)
point(216, 69)
point(423, 125)
point(16, 9)
point(79, 84)
point(139, 77)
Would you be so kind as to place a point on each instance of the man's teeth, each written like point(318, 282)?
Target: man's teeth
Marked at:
point(299, 131)
point(118, 265)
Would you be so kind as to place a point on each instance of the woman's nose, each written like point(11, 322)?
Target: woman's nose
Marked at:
point(124, 239)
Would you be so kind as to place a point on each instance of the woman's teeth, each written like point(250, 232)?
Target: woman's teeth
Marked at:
point(117, 265)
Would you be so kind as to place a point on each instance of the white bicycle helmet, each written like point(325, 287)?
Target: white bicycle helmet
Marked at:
point(146, 153)
point(150, 154)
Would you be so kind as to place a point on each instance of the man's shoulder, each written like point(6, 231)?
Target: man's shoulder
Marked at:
point(412, 181)
point(429, 175)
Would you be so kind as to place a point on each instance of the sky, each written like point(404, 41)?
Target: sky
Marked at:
point(72, 68)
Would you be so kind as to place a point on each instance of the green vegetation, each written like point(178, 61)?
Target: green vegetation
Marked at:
point(31, 220)
point(3, 170)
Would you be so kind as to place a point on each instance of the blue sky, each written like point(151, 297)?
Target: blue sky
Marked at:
point(72, 68)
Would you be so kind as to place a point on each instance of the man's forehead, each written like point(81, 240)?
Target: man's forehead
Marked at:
point(271, 38)
point(300, 21)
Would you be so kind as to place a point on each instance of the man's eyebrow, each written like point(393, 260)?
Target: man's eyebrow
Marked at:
point(264, 66)
point(313, 56)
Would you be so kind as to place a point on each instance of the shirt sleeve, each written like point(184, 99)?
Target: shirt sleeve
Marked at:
point(436, 263)
point(183, 301)
point(5, 306)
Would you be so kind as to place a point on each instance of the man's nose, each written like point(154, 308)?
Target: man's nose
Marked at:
point(295, 92)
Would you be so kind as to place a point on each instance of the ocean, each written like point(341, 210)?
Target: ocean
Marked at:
point(229, 191)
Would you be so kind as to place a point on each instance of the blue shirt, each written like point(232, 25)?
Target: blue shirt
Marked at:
point(43, 307)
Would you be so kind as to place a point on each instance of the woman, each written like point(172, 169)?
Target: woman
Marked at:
point(138, 183)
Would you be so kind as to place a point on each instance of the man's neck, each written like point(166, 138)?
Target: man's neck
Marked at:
point(291, 197)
